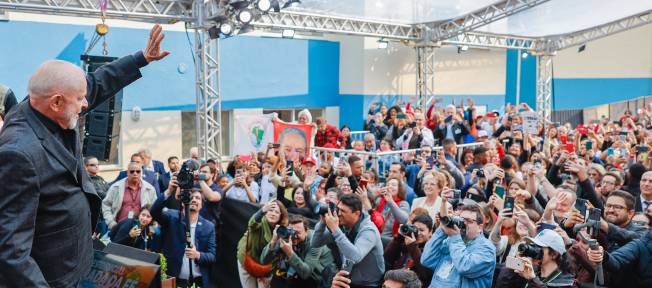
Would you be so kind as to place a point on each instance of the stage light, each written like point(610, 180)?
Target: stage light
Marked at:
point(524, 55)
point(226, 29)
point(291, 3)
point(464, 47)
point(382, 44)
point(264, 5)
point(239, 4)
point(581, 49)
point(287, 33)
point(245, 16)
point(213, 32)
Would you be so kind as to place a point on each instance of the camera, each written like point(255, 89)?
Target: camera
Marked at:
point(322, 209)
point(480, 173)
point(450, 222)
point(412, 125)
point(408, 229)
point(186, 178)
point(285, 233)
point(531, 250)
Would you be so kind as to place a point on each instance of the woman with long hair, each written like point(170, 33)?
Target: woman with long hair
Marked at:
point(140, 232)
point(393, 206)
point(258, 234)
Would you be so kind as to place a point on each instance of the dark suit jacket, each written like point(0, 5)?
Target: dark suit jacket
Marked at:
point(159, 168)
point(164, 181)
point(148, 176)
point(459, 130)
point(48, 205)
point(173, 236)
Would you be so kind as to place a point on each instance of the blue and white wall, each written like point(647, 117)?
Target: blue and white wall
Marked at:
point(340, 74)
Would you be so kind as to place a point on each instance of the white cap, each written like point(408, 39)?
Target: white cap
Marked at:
point(482, 133)
point(549, 238)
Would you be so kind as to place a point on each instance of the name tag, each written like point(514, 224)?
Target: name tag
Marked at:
point(130, 215)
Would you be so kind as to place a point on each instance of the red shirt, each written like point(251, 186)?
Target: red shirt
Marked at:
point(130, 202)
point(327, 136)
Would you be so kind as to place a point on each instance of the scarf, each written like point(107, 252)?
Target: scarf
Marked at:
point(381, 207)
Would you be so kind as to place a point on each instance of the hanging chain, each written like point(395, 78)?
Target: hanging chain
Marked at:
point(102, 28)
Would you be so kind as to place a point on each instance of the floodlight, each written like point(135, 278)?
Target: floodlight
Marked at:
point(264, 5)
point(291, 3)
point(464, 47)
point(226, 29)
point(524, 55)
point(382, 44)
point(245, 16)
point(287, 33)
point(581, 49)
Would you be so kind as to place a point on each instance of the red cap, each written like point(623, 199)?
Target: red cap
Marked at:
point(309, 160)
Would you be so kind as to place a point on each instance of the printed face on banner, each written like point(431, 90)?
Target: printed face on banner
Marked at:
point(294, 139)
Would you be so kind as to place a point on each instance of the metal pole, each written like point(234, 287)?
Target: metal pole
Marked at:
point(518, 79)
point(544, 87)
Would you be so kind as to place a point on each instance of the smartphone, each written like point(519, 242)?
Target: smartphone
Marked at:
point(582, 130)
point(430, 160)
point(563, 139)
point(276, 145)
point(401, 116)
point(589, 145)
point(610, 151)
point(509, 203)
point(448, 119)
point(500, 191)
point(514, 263)
point(623, 135)
point(570, 148)
point(457, 194)
point(537, 164)
point(137, 223)
point(642, 149)
point(580, 204)
point(594, 214)
point(362, 184)
point(347, 265)
point(238, 172)
point(289, 164)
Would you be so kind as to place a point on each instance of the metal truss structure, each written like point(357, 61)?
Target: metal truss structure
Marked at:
point(476, 19)
point(544, 86)
point(425, 74)
point(425, 37)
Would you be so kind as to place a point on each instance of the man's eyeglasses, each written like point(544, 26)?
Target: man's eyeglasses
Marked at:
point(608, 183)
point(615, 207)
point(134, 171)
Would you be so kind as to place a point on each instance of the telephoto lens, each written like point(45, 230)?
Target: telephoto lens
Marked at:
point(453, 221)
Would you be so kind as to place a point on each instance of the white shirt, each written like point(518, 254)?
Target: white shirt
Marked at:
point(267, 190)
point(184, 273)
point(643, 205)
point(433, 210)
point(239, 193)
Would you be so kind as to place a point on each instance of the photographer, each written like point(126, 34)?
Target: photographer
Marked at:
point(549, 252)
point(298, 265)
point(174, 246)
point(636, 255)
point(211, 192)
point(458, 252)
point(404, 251)
point(354, 241)
point(141, 233)
point(392, 205)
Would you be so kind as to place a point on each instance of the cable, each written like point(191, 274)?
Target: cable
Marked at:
point(192, 49)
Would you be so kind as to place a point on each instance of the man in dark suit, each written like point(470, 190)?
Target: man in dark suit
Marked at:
point(164, 179)
point(644, 200)
point(173, 237)
point(452, 127)
point(150, 164)
point(148, 176)
point(48, 205)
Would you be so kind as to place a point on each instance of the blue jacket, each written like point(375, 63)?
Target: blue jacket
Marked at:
point(148, 176)
point(635, 255)
point(173, 238)
point(159, 168)
point(456, 264)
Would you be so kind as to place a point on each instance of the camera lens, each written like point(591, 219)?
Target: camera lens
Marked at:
point(531, 250)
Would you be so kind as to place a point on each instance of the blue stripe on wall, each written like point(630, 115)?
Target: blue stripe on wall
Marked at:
point(578, 93)
point(527, 81)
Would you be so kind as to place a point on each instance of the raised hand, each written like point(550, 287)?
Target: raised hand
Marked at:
point(153, 50)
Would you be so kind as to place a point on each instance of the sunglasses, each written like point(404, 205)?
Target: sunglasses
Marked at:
point(134, 171)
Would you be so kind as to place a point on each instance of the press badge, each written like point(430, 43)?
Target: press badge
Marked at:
point(458, 131)
point(130, 215)
point(445, 270)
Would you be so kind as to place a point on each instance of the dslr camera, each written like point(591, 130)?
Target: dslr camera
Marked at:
point(285, 233)
point(531, 250)
point(322, 209)
point(408, 229)
point(186, 178)
point(451, 222)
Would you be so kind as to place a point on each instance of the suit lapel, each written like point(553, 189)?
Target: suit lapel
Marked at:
point(50, 144)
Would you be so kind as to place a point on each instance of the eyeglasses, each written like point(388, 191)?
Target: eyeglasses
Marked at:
point(615, 207)
point(608, 183)
point(134, 171)
point(469, 221)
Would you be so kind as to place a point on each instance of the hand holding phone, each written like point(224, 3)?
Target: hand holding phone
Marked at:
point(515, 263)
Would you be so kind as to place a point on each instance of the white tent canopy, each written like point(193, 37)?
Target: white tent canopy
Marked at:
point(554, 17)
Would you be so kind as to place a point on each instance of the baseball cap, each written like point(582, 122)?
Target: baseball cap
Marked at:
point(309, 160)
point(549, 238)
point(482, 133)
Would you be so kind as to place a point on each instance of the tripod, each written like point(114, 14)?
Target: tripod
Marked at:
point(185, 199)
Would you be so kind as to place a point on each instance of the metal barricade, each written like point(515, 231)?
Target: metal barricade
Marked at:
point(358, 135)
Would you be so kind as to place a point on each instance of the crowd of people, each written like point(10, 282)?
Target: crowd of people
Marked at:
point(564, 207)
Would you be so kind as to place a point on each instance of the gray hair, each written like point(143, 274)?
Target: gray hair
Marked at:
point(146, 152)
point(55, 76)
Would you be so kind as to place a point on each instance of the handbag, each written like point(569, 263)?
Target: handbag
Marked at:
point(252, 266)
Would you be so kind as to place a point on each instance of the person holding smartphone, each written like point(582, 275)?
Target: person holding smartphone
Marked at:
point(141, 232)
point(554, 269)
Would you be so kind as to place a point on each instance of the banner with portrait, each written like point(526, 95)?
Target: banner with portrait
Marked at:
point(253, 133)
point(293, 138)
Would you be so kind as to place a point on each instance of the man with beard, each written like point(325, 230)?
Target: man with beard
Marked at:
point(173, 235)
point(618, 213)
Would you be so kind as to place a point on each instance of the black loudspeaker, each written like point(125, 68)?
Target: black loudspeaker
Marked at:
point(102, 123)
point(137, 254)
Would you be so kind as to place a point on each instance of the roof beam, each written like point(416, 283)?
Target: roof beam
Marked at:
point(329, 24)
point(160, 11)
point(444, 30)
point(560, 42)
point(487, 40)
